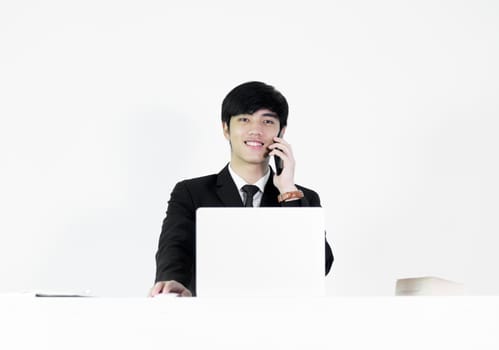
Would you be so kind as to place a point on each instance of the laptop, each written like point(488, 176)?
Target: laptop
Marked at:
point(260, 252)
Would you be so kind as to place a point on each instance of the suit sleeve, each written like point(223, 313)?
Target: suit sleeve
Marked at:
point(311, 199)
point(175, 255)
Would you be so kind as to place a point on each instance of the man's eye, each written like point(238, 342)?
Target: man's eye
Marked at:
point(269, 121)
point(242, 119)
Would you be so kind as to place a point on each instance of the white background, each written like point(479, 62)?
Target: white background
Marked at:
point(105, 105)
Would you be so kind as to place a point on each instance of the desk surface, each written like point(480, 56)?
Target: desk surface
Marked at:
point(250, 323)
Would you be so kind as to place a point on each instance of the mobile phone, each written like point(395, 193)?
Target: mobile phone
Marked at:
point(279, 164)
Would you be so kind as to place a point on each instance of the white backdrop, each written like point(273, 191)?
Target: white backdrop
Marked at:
point(105, 105)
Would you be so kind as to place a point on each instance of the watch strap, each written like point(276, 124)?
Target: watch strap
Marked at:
point(289, 195)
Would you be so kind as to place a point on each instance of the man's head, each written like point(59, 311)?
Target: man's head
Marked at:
point(253, 114)
point(252, 96)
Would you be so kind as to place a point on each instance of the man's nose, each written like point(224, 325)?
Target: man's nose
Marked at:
point(255, 129)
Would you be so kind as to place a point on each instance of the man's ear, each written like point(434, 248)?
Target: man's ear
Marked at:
point(283, 130)
point(225, 126)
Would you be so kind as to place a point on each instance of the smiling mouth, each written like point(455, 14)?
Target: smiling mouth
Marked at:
point(254, 143)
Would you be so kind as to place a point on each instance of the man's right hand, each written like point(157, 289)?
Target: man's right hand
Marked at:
point(172, 286)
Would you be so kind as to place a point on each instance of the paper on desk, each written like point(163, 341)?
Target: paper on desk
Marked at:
point(49, 294)
point(428, 285)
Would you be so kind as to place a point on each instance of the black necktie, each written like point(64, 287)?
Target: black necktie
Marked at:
point(250, 191)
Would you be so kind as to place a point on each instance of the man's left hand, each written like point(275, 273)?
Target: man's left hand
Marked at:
point(286, 181)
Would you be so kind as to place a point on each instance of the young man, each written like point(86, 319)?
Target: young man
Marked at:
point(254, 118)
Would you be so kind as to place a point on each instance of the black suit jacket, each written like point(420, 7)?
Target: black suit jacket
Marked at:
point(176, 256)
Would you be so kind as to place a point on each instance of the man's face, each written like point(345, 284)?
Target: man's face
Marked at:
point(250, 135)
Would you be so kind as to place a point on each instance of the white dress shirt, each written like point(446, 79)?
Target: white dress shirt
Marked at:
point(257, 199)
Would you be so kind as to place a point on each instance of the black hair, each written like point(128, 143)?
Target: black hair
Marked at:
point(249, 97)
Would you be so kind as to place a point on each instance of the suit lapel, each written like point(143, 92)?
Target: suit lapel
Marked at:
point(229, 195)
point(227, 190)
point(270, 193)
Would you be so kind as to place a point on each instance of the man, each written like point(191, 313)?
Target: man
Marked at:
point(254, 118)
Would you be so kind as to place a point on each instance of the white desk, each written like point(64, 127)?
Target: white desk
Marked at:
point(266, 323)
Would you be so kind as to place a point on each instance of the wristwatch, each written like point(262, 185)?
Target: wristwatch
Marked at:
point(289, 195)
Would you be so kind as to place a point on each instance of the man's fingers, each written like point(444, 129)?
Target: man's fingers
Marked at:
point(165, 287)
point(279, 147)
point(156, 289)
point(281, 142)
point(278, 152)
point(282, 150)
point(176, 287)
point(186, 293)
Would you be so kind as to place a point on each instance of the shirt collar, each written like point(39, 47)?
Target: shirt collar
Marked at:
point(239, 181)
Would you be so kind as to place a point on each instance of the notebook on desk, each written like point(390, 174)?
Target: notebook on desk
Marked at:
point(260, 252)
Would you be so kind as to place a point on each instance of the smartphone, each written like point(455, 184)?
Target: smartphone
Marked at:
point(279, 164)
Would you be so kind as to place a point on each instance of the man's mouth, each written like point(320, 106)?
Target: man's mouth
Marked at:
point(254, 143)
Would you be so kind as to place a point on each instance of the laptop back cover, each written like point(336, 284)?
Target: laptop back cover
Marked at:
point(260, 252)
